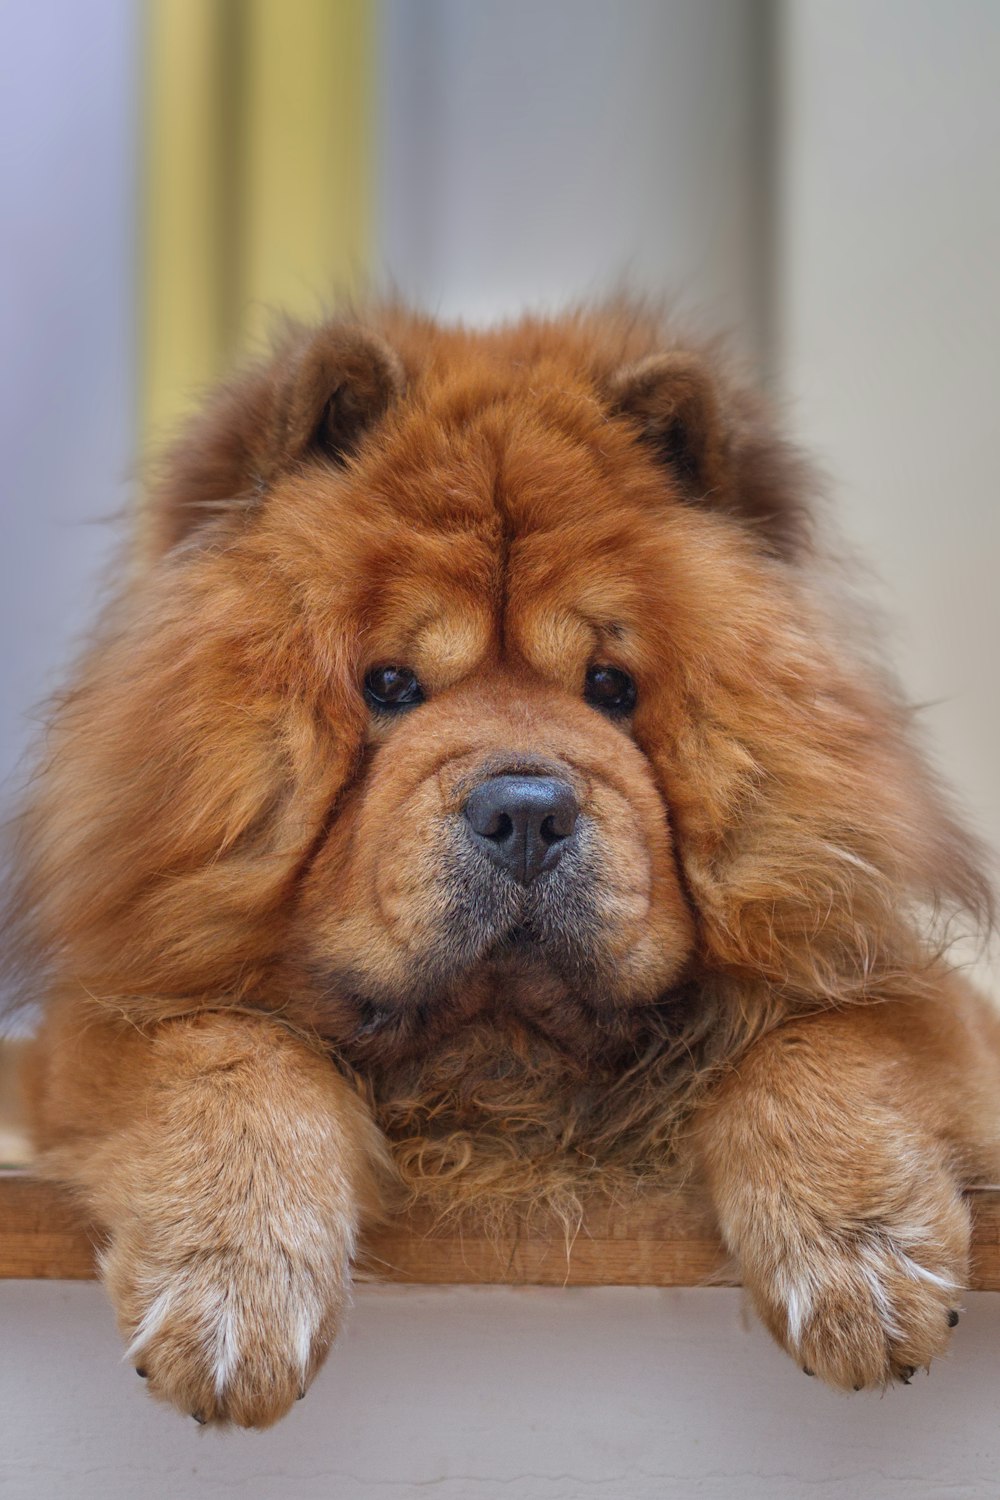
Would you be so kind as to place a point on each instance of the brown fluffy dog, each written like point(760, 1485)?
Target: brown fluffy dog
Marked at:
point(467, 787)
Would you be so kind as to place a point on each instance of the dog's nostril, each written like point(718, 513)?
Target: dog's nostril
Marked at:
point(524, 823)
point(556, 827)
point(501, 828)
point(547, 832)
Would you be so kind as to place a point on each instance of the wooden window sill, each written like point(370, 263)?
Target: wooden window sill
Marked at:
point(663, 1240)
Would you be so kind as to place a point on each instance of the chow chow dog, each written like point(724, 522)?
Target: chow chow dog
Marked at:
point(474, 792)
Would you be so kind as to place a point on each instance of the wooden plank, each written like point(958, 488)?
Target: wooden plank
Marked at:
point(40, 1233)
point(657, 1240)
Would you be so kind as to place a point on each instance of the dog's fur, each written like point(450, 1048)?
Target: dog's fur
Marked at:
point(277, 974)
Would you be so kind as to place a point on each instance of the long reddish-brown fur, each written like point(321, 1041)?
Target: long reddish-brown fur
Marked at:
point(219, 833)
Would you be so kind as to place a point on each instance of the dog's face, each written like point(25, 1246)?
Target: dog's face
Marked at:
point(504, 840)
point(494, 561)
point(478, 676)
point(502, 843)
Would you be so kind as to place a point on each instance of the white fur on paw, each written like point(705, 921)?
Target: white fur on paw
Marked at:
point(863, 1309)
point(230, 1338)
point(225, 1331)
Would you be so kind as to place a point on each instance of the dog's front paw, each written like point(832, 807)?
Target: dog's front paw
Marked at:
point(864, 1304)
point(227, 1334)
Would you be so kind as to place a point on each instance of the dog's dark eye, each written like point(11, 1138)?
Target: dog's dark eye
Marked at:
point(393, 687)
point(610, 690)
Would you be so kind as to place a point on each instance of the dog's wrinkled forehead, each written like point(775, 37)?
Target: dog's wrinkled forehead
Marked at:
point(508, 541)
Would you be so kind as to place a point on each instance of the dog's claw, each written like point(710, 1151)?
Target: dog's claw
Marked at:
point(953, 1319)
point(142, 1374)
point(197, 1416)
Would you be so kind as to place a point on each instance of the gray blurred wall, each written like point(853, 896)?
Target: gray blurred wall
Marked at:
point(68, 86)
point(535, 151)
point(887, 333)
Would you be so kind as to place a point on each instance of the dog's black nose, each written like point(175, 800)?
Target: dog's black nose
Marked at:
point(524, 823)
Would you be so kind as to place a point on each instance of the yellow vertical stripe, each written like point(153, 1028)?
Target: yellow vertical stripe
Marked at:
point(181, 319)
point(305, 226)
point(257, 168)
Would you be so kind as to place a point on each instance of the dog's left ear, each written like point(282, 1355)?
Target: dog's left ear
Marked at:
point(313, 398)
point(335, 386)
point(718, 444)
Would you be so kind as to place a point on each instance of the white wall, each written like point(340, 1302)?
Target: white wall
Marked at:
point(493, 1394)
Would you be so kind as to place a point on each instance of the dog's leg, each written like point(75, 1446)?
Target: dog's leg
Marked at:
point(836, 1155)
point(230, 1165)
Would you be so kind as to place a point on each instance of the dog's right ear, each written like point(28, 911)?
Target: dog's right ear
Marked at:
point(718, 443)
point(313, 400)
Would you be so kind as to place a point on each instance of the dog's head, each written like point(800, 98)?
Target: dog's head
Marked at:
point(477, 674)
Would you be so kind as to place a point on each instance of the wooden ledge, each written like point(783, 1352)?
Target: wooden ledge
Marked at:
point(666, 1240)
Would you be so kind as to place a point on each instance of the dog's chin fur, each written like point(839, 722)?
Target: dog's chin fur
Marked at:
point(508, 1116)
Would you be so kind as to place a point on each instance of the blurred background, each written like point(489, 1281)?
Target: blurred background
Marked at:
point(823, 180)
point(819, 179)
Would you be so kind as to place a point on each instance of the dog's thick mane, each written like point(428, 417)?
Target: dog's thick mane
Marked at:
point(184, 784)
